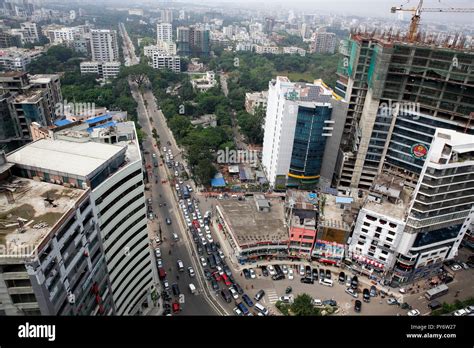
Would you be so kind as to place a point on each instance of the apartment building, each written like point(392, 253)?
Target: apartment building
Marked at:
point(166, 61)
point(104, 47)
point(323, 42)
point(18, 59)
point(164, 32)
point(112, 179)
point(254, 100)
point(105, 70)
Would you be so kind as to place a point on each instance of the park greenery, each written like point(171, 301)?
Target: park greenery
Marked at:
point(56, 59)
point(302, 306)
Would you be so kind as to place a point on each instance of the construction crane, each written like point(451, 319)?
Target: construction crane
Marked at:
point(415, 19)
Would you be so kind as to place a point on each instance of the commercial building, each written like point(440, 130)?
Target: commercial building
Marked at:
point(104, 47)
point(103, 162)
point(398, 94)
point(323, 42)
point(253, 228)
point(105, 70)
point(254, 100)
point(164, 32)
point(303, 127)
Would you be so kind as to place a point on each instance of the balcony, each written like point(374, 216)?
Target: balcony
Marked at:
point(20, 290)
point(15, 275)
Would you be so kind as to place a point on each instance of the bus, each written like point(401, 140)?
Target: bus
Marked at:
point(436, 292)
point(185, 191)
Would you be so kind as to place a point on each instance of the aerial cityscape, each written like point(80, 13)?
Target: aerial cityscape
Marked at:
point(218, 158)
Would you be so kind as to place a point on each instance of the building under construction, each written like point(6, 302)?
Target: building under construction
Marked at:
point(399, 92)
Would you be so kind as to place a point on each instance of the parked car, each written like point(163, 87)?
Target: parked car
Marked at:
point(331, 303)
point(366, 295)
point(247, 300)
point(234, 293)
point(373, 291)
point(253, 275)
point(246, 273)
point(460, 313)
point(175, 289)
point(354, 282)
point(168, 221)
point(158, 252)
point(456, 267)
point(259, 295)
point(278, 276)
point(302, 271)
point(317, 302)
point(290, 274)
point(308, 271)
point(414, 313)
point(328, 274)
point(284, 268)
point(207, 274)
point(214, 285)
point(342, 277)
point(321, 273)
point(203, 261)
point(307, 280)
point(238, 288)
point(191, 272)
point(315, 274)
point(352, 292)
point(392, 301)
point(357, 306)
point(226, 295)
point(288, 290)
point(434, 305)
point(265, 272)
point(286, 299)
point(271, 270)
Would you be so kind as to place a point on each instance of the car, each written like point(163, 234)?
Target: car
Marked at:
point(290, 274)
point(286, 299)
point(180, 265)
point(151, 216)
point(214, 285)
point(159, 263)
point(348, 281)
point(207, 274)
point(265, 272)
point(209, 238)
point(366, 295)
point(234, 293)
point(308, 271)
point(226, 295)
point(465, 265)
point(157, 240)
point(191, 272)
point(328, 274)
point(243, 309)
point(164, 149)
point(317, 302)
point(203, 261)
point(469, 309)
point(402, 291)
point(200, 249)
point(190, 189)
point(246, 273)
point(253, 275)
point(158, 252)
point(238, 312)
point(259, 295)
point(288, 290)
point(226, 280)
point(414, 313)
point(392, 301)
point(373, 291)
point(166, 285)
point(177, 189)
point(284, 268)
point(227, 270)
point(208, 249)
point(220, 270)
point(307, 280)
point(460, 313)
point(315, 274)
point(352, 292)
point(238, 288)
point(321, 273)
point(330, 302)
point(302, 272)
point(354, 282)
point(176, 307)
point(247, 300)
point(214, 249)
point(357, 306)
point(176, 173)
point(175, 289)
point(456, 267)
point(271, 270)
point(216, 276)
point(434, 305)
point(168, 221)
point(278, 276)
point(220, 252)
point(342, 277)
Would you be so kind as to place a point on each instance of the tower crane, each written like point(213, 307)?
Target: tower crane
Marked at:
point(415, 19)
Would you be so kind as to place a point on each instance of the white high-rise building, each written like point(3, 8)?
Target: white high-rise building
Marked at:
point(164, 32)
point(106, 163)
point(166, 61)
point(104, 45)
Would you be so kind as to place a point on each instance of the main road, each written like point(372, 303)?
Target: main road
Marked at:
point(149, 118)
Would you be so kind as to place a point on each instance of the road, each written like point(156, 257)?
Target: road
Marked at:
point(148, 118)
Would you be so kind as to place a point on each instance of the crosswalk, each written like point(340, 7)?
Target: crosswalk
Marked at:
point(271, 295)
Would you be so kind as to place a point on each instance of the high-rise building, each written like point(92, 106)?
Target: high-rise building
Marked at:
point(31, 31)
point(407, 233)
point(166, 61)
point(90, 228)
point(269, 24)
point(193, 40)
point(104, 47)
point(303, 126)
point(167, 16)
point(323, 42)
point(398, 94)
point(164, 32)
point(183, 43)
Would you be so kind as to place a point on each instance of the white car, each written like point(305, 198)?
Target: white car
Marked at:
point(456, 267)
point(203, 240)
point(164, 149)
point(177, 189)
point(302, 271)
point(194, 216)
point(203, 261)
point(234, 293)
point(317, 302)
point(271, 270)
point(402, 291)
point(166, 285)
point(221, 254)
point(252, 273)
point(284, 268)
point(414, 313)
point(351, 292)
point(201, 222)
point(159, 263)
point(176, 173)
point(180, 181)
point(460, 313)
point(191, 272)
point(208, 230)
point(286, 299)
point(209, 238)
point(220, 270)
point(290, 274)
point(190, 189)
point(158, 253)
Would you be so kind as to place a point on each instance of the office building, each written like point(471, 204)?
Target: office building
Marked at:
point(95, 246)
point(164, 32)
point(104, 47)
point(398, 94)
point(303, 126)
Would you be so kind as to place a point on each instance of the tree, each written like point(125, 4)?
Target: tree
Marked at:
point(303, 306)
point(138, 73)
point(204, 171)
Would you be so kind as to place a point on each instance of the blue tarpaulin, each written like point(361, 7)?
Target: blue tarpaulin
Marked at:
point(104, 125)
point(60, 123)
point(218, 181)
point(99, 118)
